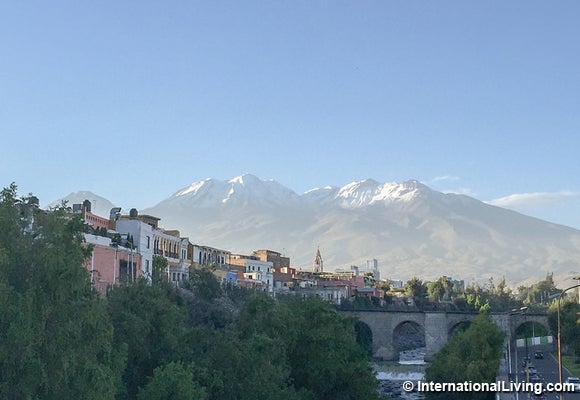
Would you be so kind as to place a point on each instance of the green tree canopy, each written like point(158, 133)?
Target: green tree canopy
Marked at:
point(174, 381)
point(55, 335)
point(148, 322)
point(472, 355)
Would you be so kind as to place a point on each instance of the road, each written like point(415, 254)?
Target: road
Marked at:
point(547, 369)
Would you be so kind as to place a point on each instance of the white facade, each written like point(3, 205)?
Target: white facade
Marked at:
point(260, 271)
point(205, 255)
point(150, 240)
point(142, 234)
point(179, 272)
point(331, 294)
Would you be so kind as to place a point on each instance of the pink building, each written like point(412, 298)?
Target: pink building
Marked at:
point(111, 265)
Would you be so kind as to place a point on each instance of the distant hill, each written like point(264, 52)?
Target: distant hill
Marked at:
point(99, 205)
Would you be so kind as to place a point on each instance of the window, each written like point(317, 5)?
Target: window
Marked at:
point(148, 241)
point(147, 266)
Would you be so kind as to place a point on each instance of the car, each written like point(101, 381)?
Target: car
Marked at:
point(538, 355)
point(574, 380)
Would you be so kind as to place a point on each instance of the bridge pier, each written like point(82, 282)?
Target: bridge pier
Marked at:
point(436, 333)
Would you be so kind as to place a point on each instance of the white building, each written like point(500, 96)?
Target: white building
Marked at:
point(150, 240)
point(262, 271)
point(332, 294)
point(142, 234)
point(205, 256)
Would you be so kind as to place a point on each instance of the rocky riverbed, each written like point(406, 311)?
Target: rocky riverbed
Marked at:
point(391, 375)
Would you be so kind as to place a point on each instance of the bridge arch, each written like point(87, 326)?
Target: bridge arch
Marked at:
point(429, 329)
point(528, 325)
point(457, 327)
point(531, 329)
point(364, 336)
point(408, 335)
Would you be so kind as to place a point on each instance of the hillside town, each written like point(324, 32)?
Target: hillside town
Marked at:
point(125, 246)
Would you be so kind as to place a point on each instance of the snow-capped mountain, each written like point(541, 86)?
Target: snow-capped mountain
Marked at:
point(242, 190)
point(411, 229)
point(251, 191)
point(99, 205)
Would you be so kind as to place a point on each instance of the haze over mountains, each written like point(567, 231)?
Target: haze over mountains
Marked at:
point(409, 228)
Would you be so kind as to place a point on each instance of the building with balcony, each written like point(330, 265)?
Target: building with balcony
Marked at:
point(152, 240)
point(255, 272)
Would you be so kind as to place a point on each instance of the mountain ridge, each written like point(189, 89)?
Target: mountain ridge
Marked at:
point(410, 228)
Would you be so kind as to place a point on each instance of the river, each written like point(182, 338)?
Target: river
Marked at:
point(391, 374)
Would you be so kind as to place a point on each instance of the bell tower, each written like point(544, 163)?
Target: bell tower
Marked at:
point(318, 263)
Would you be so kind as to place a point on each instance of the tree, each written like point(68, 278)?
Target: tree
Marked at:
point(540, 293)
point(159, 268)
point(261, 315)
point(55, 335)
point(495, 298)
point(148, 323)
point(209, 306)
point(569, 323)
point(438, 289)
point(204, 283)
point(416, 289)
point(316, 338)
point(472, 355)
point(174, 381)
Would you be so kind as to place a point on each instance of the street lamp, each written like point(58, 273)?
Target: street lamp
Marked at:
point(560, 334)
point(520, 311)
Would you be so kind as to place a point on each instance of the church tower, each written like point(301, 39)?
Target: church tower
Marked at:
point(318, 263)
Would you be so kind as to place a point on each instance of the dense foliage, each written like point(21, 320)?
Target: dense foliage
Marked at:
point(60, 340)
point(56, 338)
point(445, 294)
point(472, 355)
point(569, 323)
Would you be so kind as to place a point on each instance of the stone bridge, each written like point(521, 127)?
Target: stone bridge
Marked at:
point(394, 331)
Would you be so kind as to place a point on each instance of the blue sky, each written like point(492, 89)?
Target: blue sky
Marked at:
point(135, 99)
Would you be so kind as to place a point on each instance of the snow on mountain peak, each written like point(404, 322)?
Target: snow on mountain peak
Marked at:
point(357, 194)
point(249, 189)
point(193, 188)
point(243, 189)
point(246, 179)
point(369, 191)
